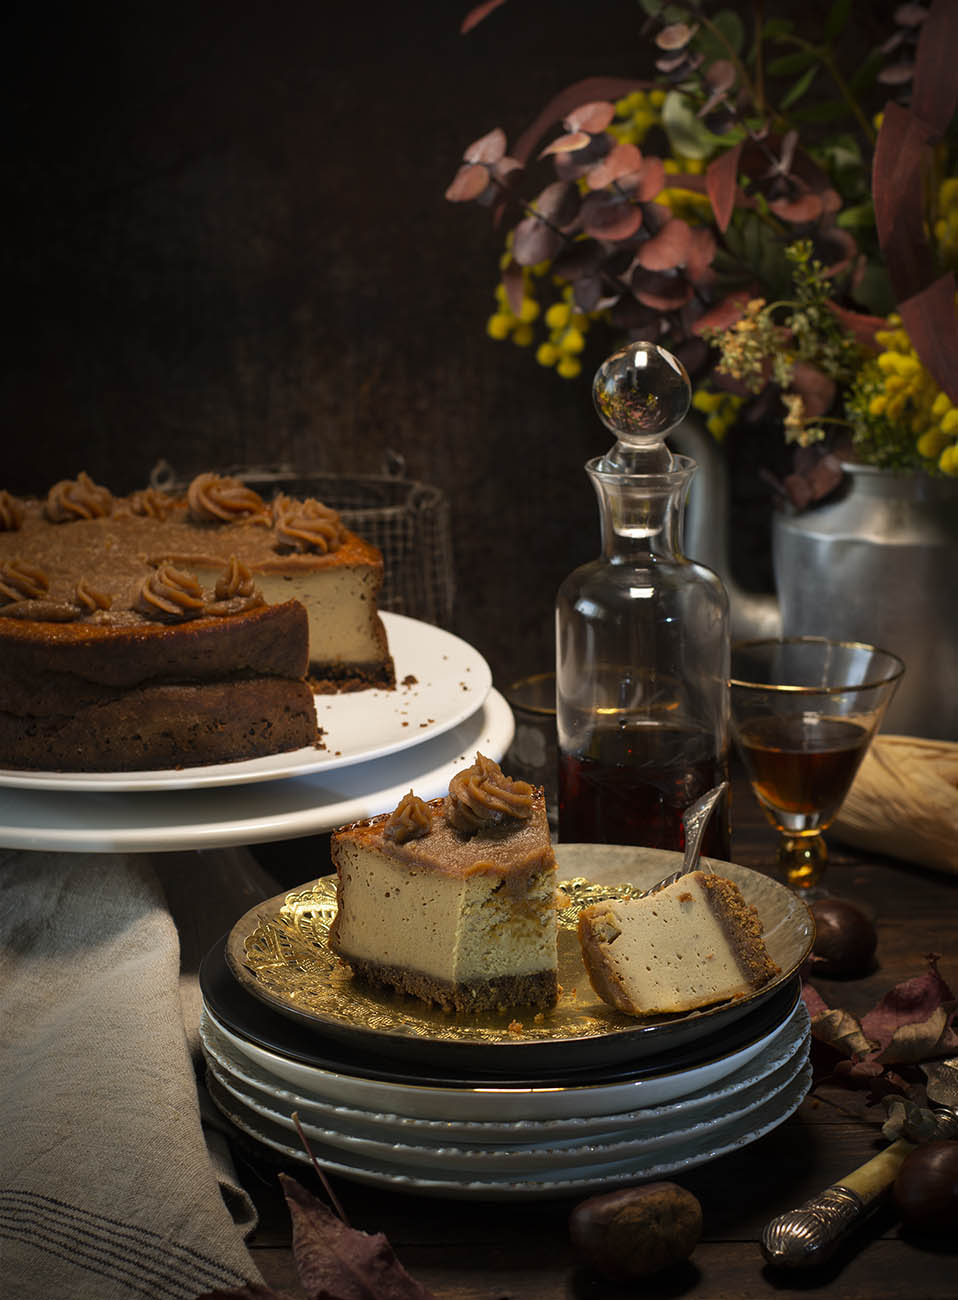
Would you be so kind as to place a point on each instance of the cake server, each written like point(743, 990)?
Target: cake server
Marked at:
point(810, 1235)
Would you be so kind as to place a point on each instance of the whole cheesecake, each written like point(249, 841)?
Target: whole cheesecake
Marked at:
point(453, 901)
point(155, 631)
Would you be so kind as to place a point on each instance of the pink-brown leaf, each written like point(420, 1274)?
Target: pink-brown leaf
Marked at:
point(651, 180)
point(798, 210)
point(931, 321)
point(468, 183)
point(816, 389)
point(566, 144)
point(661, 290)
point(918, 1041)
point(558, 203)
point(489, 148)
point(720, 75)
point(533, 241)
point(620, 161)
point(514, 284)
point(609, 218)
point(335, 1262)
point(667, 249)
point(475, 15)
point(700, 252)
point(676, 36)
point(592, 117)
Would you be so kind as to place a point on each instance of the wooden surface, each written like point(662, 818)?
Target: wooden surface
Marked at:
point(466, 1250)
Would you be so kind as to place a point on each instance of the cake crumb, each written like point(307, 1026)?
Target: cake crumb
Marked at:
point(516, 1026)
point(685, 897)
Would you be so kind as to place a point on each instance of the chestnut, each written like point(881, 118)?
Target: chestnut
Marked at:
point(845, 938)
point(636, 1230)
point(926, 1188)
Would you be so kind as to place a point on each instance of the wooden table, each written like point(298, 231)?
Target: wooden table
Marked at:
point(464, 1250)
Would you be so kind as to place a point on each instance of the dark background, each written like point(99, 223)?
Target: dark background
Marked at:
point(227, 244)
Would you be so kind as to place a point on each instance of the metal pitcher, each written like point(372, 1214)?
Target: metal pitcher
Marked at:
point(876, 562)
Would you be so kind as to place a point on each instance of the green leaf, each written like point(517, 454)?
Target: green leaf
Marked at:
point(859, 217)
point(775, 27)
point(873, 291)
point(837, 19)
point(687, 134)
point(715, 46)
point(798, 90)
point(667, 13)
point(827, 110)
point(866, 74)
point(788, 64)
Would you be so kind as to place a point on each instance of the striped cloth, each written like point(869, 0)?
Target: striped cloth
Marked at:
point(108, 1188)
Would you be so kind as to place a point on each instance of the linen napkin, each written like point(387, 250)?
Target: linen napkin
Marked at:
point(904, 802)
point(108, 1190)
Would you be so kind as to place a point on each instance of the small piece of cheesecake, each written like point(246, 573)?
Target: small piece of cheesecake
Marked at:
point(453, 901)
point(692, 944)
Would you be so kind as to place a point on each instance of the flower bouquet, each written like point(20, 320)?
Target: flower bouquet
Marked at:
point(786, 225)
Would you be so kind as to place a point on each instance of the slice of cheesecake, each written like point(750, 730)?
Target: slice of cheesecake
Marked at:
point(692, 944)
point(453, 901)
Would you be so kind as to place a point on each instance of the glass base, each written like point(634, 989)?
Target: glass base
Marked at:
point(801, 860)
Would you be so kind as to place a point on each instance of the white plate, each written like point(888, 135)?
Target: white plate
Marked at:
point(452, 681)
point(70, 821)
point(498, 1103)
point(716, 1142)
point(521, 1160)
point(790, 1039)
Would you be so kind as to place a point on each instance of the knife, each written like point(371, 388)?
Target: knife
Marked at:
point(808, 1236)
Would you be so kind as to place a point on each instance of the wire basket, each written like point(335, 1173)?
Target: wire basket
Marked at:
point(407, 520)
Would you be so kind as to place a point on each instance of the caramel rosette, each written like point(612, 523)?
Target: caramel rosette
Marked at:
point(21, 581)
point(170, 595)
point(23, 594)
point(151, 503)
point(307, 526)
point(410, 820)
point(482, 796)
point(235, 591)
point(89, 599)
point(78, 498)
point(216, 498)
point(11, 513)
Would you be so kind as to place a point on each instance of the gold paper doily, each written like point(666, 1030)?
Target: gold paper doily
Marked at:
point(279, 952)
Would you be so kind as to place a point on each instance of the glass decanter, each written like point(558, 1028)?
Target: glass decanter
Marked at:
point(642, 641)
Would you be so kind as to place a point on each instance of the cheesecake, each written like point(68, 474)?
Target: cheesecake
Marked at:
point(692, 944)
point(453, 901)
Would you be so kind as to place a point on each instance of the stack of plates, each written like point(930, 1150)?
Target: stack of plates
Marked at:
point(393, 1094)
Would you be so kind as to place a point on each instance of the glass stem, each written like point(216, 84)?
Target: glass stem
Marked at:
point(801, 860)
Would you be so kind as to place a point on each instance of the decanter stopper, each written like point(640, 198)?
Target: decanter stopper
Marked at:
point(641, 392)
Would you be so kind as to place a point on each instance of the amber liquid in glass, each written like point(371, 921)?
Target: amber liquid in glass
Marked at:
point(803, 764)
point(633, 784)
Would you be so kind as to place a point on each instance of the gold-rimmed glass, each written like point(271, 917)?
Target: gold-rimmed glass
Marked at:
point(804, 711)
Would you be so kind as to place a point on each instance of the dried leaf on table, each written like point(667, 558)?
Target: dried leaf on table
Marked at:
point(336, 1262)
point(913, 1023)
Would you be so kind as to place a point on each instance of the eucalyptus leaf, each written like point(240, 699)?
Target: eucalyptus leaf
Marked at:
point(786, 65)
point(728, 34)
point(837, 19)
point(775, 27)
point(668, 13)
point(861, 216)
point(687, 135)
point(866, 74)
point(793, 95)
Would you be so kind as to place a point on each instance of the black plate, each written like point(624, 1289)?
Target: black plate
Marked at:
point(250, 1018)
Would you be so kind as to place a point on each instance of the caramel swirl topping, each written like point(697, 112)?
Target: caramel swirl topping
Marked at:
point(220, 499)
point(78, 498)
point(307, 525)
point(481, 796)
point(42, 611)
point(151, 503)
point(11, 513)
point(170, 594)
point(410, 820)
point(89, 599)
point(21, 581)
point(235, 591)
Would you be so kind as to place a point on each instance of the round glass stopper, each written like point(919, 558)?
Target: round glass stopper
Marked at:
point(641, 392)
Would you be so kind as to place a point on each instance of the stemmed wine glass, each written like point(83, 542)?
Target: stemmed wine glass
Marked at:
point(804, 710)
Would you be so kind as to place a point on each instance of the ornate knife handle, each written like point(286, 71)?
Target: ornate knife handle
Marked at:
point(808, 1236)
